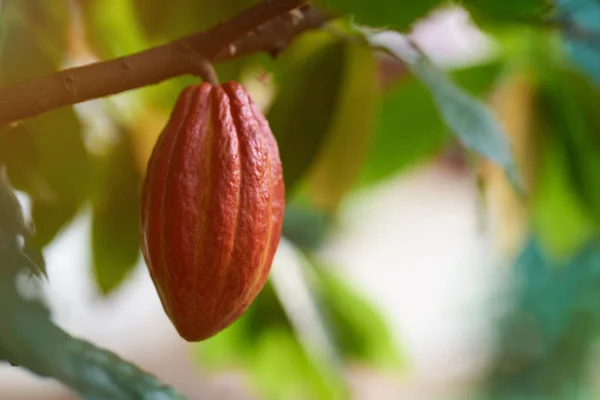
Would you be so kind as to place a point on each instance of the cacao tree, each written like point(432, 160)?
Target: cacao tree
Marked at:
point(205, 137)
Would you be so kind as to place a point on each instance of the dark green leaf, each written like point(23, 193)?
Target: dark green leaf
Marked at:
point(309, 85)
point(395, 14)
point(115, 222)
point(493, 12)
point(410, 128)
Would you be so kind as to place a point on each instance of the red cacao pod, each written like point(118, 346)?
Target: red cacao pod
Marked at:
point(212, 208)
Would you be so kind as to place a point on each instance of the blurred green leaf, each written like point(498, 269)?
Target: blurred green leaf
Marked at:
point(33, 38)
point(468, 118)
point(547, 337)
point(304, 226)
point(46, 158)
point(580, 21)
point(492, 12)
point(573, 104)
point(395, 14)
point(168, 20)
point(112, 28)
point(260, 342)
point(302, 113)
point(559, 219)
point(299, 379)
point(410, 128)
point(115, 218)
point(344, 151)
point(360, 330)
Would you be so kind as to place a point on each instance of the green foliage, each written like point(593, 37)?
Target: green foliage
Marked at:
point(30, 339)
point(580, 20)
point(494, 12)
point(556, 321)
point(361, 333)
point(410, 129)
point(115, 219)
point(33, 43)
point(304, 226)
point(334, 127)
point(394, 14)
point(573, 111)
point(308, 91)
point(471, 121)
point(263, 340)
point(34, 152)
point(347, 144)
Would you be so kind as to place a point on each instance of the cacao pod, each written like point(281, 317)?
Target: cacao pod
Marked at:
point(212, 208)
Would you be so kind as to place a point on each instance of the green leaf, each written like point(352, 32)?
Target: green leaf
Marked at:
point(33, 38)
point(298, 380)
point(168, 20)
point(559, 219)
point(395, 14)
point(46, 158)
point(359, 329)
point(573, 107)
point(410, 129)
point(302, 113)
point(112, 27)
point(469, 119)
point(115, 219)
point(494, 12)
point(260, 342)
point(344, 151)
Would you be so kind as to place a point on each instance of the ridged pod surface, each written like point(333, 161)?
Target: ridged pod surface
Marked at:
point(212, 208)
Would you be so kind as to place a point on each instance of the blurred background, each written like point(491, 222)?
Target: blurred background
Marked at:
point(408, 268)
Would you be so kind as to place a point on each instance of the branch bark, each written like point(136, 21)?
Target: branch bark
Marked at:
point(268, 26)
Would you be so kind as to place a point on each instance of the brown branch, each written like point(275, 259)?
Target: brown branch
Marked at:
point(267, 26)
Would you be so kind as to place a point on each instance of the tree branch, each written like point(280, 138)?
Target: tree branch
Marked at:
point(267, 26)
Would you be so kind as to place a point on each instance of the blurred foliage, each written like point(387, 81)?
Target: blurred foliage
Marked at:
point(115, 215)
point(33, 41)
point(29, 338)
point(347, 144)
point(338, 130)
point(263, 340)
point(410, 129)
point(555, 318)
point(394, 14)
point(580, 23)
point(309, 83)
point(495, 12)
